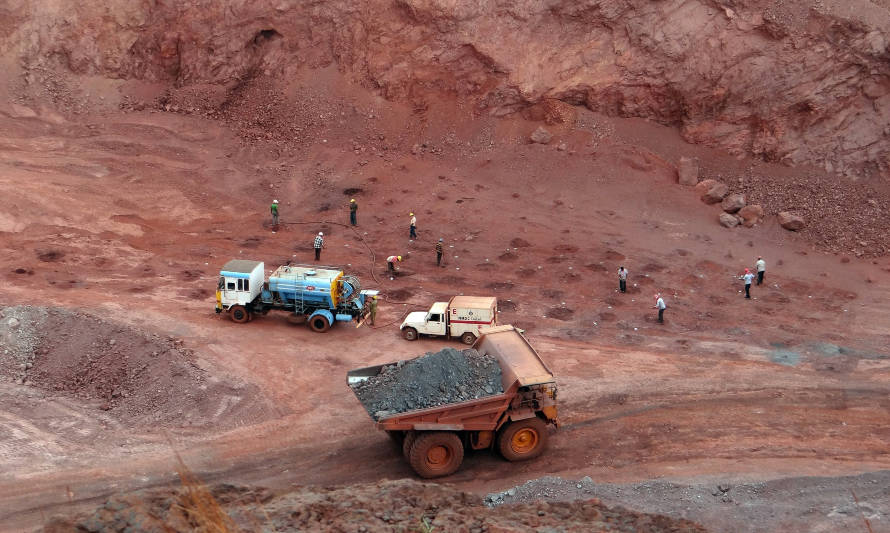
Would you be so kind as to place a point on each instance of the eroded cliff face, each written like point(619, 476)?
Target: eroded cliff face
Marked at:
point(794, 81)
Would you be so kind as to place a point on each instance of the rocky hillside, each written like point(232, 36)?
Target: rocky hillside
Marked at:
point(794, 80)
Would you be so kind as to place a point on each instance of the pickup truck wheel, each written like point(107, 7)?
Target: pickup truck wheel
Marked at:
point(239, 314)
point(410, 334)
point(468, 338)
point(436, 454)
point(410, 437)
point(523, 439)
point(319, 324)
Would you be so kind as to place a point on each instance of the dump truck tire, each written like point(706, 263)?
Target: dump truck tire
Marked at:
point(410, 437)
point(468, 338)
point(319, 324)
point(410, 334)
point(523, 439)
point(436, 454)
point(239, 314)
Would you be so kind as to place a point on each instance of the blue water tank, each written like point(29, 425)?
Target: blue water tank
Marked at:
point(306, 284)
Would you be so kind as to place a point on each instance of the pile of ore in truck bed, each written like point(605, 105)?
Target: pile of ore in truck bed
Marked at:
point(431, 380)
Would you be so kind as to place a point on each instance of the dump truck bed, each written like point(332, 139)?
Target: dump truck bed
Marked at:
point(520, 366)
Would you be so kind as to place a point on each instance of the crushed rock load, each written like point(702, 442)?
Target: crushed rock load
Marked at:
point(402, 505)
point(431, 380)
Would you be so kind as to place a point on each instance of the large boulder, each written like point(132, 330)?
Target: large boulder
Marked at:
point(703, 186)
point(733, 203)
point(541, 136)
point(751, 215)
point(716, 193)
point(728, 221)
point(791, 221)
point(687, 171)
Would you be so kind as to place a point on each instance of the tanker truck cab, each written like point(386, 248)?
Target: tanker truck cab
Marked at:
point(461, 317)
point(240, 283)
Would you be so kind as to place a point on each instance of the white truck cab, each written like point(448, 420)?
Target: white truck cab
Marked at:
point(240, 282)
point(462, 317)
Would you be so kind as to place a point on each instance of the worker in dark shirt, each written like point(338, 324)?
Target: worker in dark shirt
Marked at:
point(353, 207)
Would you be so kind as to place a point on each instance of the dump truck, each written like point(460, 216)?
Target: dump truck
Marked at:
point(320, 295)
point(515, 422)
point(461, 317)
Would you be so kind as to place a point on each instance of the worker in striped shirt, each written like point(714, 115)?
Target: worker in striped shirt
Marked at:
point(318, 245)
point(439, 253)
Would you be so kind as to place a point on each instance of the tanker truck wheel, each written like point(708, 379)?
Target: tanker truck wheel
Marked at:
point(239, 314)
point(410, 334)
point(319, 323)
point(468, 338)
point(436, 454)
point(523, 439)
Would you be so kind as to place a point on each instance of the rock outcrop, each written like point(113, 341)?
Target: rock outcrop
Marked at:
point(792, 81)
point(791, 221)
point(751, 215)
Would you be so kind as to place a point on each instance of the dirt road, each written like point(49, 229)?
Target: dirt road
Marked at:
point(128, 217)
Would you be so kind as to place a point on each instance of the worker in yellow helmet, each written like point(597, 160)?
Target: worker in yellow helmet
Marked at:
point(390, 263)
point(413, 225)
point(353, 207)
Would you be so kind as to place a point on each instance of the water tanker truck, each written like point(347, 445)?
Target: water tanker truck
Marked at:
point(320, 295)
point(513, 422)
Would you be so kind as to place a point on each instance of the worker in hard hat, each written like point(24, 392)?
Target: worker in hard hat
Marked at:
point(274, 210)
point(391, 262)
point(413, 225)
point(439, 252)
point(748, 277)
point(372, 309)
point(353, 207)
point(318, 245)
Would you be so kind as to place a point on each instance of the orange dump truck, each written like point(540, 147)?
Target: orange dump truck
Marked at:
point(513, 422)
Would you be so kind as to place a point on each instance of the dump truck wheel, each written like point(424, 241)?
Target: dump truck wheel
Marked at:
point(468, 338)
point(319, 323)
point(410, 437)
point(523, 439)
point(436, 454)
point(239, 314)
point(410, 334)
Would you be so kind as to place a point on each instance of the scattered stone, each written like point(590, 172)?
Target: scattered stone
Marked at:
point(716, 193)
point(728, 221)
point(791, 221)
point(733, 203)
point(541, 136)
point(702, 187)
point(13, 323)
point(751, 215)
point(562, 147)
point(687, 171)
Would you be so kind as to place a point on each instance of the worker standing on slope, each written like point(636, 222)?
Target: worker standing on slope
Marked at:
point(748, 277)
point(413, 225)
point(391, 263)
point(761, 269)
point(622, 279)
point(274, 210)
point(659, 304)
point(439, 252)
point(372, 309)
point(353, 207)
point(318, 245)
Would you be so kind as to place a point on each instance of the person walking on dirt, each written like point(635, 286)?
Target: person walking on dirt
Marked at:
point(413, 227)
point(659, 304)
point(353, 207)
point(439, 253)
point(748, 277)
point(391, 263)
point(318, 245)
point(622, 279)
point(761, 269)
point(372, 309)
point(274, 210)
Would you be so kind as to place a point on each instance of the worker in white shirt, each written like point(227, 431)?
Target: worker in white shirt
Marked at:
point(761, 269)
point(748, 277)
point(659, 304)
point(622, 279)
point(413, 225)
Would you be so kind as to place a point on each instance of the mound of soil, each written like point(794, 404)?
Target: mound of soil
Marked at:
point(434, 379)
point(136, 376)
point(403, 505)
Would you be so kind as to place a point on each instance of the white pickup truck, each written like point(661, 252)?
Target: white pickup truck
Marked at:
point(462, 317)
